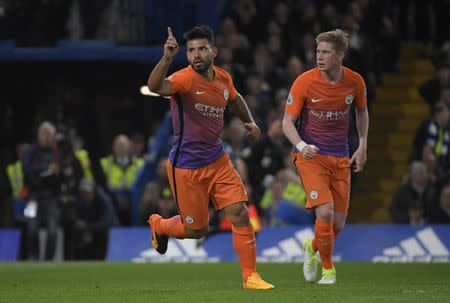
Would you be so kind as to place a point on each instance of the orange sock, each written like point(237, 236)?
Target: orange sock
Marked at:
point(244, 243)
point(335, 235)
point(172, 227)
point(323, 233)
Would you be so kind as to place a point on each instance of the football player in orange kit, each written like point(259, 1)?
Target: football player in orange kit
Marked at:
point(321, 99)
point(199, 169)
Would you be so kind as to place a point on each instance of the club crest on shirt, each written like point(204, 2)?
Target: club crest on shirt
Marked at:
point(290, 99)
point(313, 195)
point(349, 99)
point(226, 94)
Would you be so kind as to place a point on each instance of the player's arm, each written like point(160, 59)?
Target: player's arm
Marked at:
point(240, 108)
point(362, 125)
point(290, 131)
point(156, 81)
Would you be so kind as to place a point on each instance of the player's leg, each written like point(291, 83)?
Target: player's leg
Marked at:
point(192, 202)
point(228, 193)
point(323, 235)
point(314, 175)
point(244, 243)
point(340, 190)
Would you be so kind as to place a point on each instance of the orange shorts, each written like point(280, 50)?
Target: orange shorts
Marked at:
point(218, 182)
point(325, 179)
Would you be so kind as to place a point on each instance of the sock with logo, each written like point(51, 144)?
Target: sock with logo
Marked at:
point(323, 234)
point(172, 227)
point(244, 243)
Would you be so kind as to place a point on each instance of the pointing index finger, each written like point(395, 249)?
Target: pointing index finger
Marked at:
point(169, 31)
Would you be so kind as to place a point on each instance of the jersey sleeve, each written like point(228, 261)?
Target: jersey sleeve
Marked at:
point(181, 82)
point(231, 89)
point(361, 93)
point(296, 98)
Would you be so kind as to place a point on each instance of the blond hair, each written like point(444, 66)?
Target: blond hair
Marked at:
point(337, 38)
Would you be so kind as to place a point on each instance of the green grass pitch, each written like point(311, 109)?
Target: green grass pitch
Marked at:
point(127, 282)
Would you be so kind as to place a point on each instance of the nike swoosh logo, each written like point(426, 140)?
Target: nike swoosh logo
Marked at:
point(198, 92)
point(315, 100)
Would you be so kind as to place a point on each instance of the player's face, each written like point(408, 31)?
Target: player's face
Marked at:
point(200, 54)
point(327, 58)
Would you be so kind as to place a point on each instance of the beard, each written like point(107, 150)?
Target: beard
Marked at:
point(203, 68)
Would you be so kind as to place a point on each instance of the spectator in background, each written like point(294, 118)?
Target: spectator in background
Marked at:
point(225, 60)
point(284, 201)
point(157, 197)
point(431, 141)
point(256, 85)
point(88, 222)
point(42, 169)
point(431, 89)
point(265, 158)
point(71, 175)
point(83, 157)
point(245, 16)
point(445, 96)
point(440, 213)
point(237, 42)
point(16, 191)
point(234, 142)
point(138, 145)
point(414, 197)
point(308, 51)
point(120, 170)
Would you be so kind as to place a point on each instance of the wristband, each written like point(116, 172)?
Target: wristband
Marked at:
point(300, 146)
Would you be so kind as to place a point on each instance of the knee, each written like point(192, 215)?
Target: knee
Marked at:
point(239, 217)
point(196, 233)
point(325, 213)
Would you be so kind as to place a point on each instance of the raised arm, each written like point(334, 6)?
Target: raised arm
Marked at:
point(240, 109)
point(156, 81)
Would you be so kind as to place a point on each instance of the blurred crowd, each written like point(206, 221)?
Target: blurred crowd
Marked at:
point(424, 195)
point(54, 186)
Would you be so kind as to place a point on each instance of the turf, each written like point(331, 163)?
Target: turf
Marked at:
point(127, 282)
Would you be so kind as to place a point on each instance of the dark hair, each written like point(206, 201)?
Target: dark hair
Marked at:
point(200, 32)
point(438, 107)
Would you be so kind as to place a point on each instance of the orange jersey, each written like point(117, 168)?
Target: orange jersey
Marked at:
point(198, 106)
point(324, 108)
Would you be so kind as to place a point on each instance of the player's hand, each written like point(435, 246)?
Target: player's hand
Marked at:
point(358, 159)
point(253, 131)
point(310, 151)
point(171, 46)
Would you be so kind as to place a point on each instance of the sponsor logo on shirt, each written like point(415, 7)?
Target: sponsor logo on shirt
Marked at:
point(326, 115)
point(210, 110)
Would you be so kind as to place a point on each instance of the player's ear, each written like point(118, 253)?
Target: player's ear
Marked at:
point(341, 55)
point(215, 51)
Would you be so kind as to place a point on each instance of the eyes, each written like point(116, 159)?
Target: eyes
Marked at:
point(324, 52)
point(200, 49)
